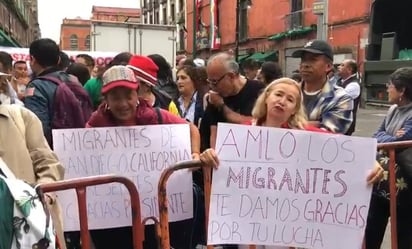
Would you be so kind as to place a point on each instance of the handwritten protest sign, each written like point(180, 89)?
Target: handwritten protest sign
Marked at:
point(290, 188)
point(140, 153)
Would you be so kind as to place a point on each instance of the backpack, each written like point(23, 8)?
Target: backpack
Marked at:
point(163, 99)
point(168, 86)
point(26, 221)
point(72, 105)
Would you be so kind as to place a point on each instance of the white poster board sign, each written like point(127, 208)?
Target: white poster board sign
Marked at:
point(290, 188)
point(140, 153)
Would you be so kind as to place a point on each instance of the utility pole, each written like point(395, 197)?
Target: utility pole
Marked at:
point(320, 8)
point(237, 34)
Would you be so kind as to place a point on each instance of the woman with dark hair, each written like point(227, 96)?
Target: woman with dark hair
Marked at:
point(120, 59)
point(94, 85)
point(296, 76)
point(269, 72)
point(397, 126)
point(192, 86)
point(80, 71)
point(164, 75)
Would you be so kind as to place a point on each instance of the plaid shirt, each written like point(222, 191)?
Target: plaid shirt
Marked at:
point(333, 109)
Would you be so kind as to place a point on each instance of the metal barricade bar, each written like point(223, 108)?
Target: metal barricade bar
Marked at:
point(163, 206)
point(80, 184)
point(391, 147)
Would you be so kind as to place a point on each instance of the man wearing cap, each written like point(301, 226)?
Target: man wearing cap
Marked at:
point(327, 106)
point(146, 72)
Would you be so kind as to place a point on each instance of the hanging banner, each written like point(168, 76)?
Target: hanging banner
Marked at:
point(22, 54)
point(198, 14)
point(214, 25)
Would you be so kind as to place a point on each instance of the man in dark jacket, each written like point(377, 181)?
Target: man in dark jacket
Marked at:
point(39, 95)
point(40, 92)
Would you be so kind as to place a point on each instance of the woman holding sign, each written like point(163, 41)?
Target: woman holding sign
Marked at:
point(123, 107)
point(280, 106)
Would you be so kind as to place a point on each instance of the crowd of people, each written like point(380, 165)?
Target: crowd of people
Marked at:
point(146, 90)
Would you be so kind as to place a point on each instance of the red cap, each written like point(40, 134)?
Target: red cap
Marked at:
point(119, 76)
point(144, 69)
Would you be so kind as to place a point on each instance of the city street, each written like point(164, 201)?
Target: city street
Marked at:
point(368, 121)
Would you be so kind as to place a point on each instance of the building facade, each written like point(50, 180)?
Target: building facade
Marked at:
point(272, 30)
point(19, 24)
point(115, 14)
point(75, 34)
point(167, 12)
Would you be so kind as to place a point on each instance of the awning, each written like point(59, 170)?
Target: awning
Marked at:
point(243, 57)
point(6, 41)
point(278, 36)
point(268, 56)
point(292, 33)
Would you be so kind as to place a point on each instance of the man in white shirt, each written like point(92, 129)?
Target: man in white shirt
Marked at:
point(348, 71)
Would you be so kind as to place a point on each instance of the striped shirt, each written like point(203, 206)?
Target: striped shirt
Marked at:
point(333, 108)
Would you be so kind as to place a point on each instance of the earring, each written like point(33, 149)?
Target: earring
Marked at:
point(400, 99)
point(137, 103)
point(106, 107)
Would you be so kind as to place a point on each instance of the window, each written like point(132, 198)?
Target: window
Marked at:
point(243, 20)
point(87, 42)
point(295, 18)
point(181, 5)
point(173, 13)
point(182, 39)
point(297, 5)
point(164, 12)
point(74, 42)
point(156, 17)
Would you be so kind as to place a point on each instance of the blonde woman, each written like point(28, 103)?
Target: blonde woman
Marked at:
point(280, 106)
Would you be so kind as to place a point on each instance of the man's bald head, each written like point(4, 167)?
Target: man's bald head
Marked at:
point(224, 60)
point(347, 68)
point(352, 65)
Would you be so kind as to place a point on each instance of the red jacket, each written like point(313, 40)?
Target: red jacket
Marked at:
point(145, 115)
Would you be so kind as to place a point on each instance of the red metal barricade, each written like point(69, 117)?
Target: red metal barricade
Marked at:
point(163, 206)
point(81, 184)
point(391, 147)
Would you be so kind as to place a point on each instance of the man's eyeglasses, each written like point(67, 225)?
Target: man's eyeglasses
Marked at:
point(215, 82)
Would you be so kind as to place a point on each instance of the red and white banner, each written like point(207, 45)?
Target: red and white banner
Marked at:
point(22, 54)
point(214, 25)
